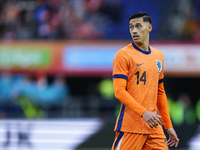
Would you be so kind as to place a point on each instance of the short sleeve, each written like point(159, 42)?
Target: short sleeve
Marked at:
point(120, 64)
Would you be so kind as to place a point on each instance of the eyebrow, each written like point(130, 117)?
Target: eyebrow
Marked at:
point(138, 24)
point(135, 23)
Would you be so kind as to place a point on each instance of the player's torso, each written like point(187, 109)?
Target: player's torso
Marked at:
point(143, 76)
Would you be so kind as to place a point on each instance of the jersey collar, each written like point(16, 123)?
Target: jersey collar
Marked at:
point(142, 51)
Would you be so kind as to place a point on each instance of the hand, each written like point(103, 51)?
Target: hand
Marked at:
point(173, 139)
point(152, 119)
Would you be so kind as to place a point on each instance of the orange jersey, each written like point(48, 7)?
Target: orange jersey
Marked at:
point(138, 84)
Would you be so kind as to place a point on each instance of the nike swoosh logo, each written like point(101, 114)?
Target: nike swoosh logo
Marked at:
point(140, 64)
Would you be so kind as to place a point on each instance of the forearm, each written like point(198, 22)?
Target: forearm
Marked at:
point(122, 95)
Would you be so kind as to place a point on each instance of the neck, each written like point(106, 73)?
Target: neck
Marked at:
point(144, 46)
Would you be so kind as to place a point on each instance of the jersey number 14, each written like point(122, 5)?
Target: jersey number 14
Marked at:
point(142, 78)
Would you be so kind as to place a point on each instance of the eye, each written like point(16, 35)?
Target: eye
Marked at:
point(131, 27)
point(138, 26)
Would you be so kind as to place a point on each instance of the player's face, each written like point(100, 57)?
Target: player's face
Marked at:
point(139, 30)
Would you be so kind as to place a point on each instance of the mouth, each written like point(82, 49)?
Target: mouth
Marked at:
point(135, 37)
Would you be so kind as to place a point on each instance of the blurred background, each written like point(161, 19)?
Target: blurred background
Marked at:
point(56, 70)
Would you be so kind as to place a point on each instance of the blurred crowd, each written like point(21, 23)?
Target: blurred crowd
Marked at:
point(181, 20)
point(56, 19)
point(96, 19)
point(30, 95)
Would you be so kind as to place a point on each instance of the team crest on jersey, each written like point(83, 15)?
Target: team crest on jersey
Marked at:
point(159, 65)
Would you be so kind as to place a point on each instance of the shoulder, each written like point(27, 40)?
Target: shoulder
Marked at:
point(156, 51)
point(128, 47)
point(123, 51)
point(122, 55)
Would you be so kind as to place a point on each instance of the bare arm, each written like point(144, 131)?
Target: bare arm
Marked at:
point(173, 138)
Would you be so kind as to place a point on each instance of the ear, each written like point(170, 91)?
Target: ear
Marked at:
point(150, 27)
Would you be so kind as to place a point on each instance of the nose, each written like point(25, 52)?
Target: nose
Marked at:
point(134, 31)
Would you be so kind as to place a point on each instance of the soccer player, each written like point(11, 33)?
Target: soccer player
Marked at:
point(138, 84)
